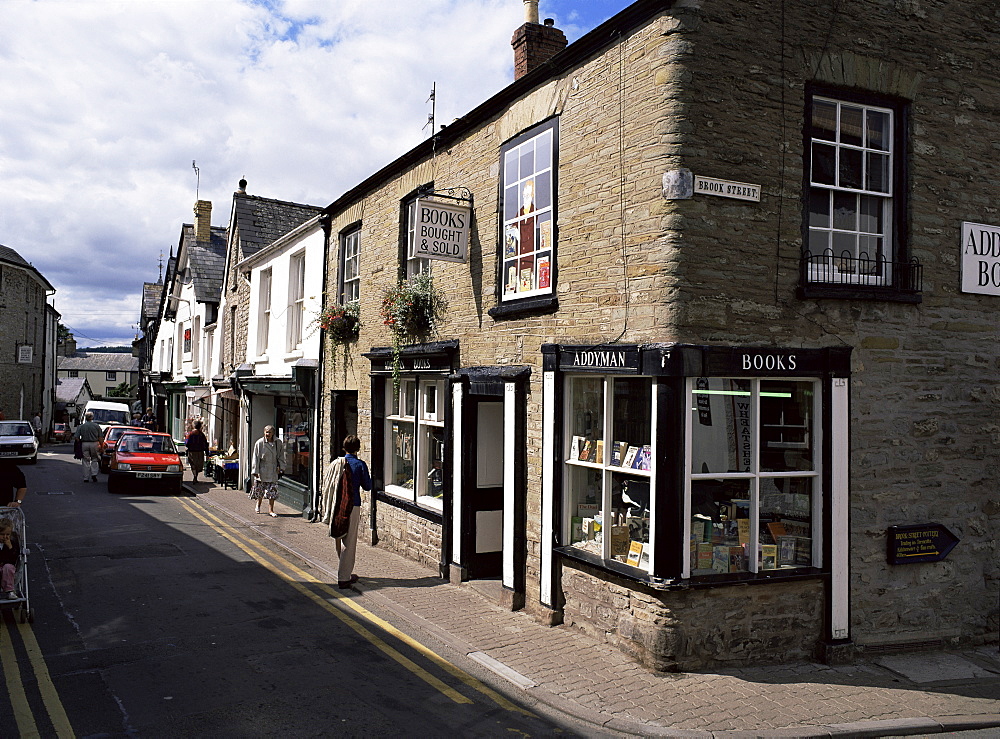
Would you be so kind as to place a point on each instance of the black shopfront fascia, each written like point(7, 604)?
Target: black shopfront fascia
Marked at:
point(671, 365)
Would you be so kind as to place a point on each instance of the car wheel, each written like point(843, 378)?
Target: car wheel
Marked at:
point(33, 460)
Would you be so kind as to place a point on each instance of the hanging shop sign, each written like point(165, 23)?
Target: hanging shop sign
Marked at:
point(726, 189)
point(929, 542)
point(980, 259)
point(441, 231)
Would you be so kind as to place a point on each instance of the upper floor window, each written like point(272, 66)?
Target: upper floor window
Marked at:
point(111, 376)
point(855, 197)
point(263, 311)
point(350, 265)
point(527, 227)
point(296, 298)
point(414, 265)
point(73, 373)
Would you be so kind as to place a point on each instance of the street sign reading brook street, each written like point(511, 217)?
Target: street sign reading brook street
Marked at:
point(927, 542)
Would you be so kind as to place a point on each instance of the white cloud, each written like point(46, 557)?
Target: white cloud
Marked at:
point(104, 105)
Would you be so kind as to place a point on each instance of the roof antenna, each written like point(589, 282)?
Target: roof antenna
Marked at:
point(160, 278)
point(197, 174)
point(433, 101)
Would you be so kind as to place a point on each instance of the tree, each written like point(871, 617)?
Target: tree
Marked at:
point(124, 390)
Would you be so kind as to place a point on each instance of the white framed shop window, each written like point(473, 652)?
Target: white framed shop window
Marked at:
point(415, 441)
point(609, 447)
point(753, 492)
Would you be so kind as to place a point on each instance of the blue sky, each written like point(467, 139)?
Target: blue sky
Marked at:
point(104, 105)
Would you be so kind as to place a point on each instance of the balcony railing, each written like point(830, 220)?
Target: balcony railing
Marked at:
point(847, 270)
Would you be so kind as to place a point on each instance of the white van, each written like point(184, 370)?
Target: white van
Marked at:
point(106, 414)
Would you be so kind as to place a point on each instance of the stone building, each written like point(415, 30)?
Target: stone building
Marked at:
point(717, 376)
point(27, 340)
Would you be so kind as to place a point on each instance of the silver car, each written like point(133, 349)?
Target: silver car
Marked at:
point(18, 442)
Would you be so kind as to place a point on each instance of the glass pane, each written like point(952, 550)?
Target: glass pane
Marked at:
point(433, 454)
point(526, 201)
point(545, 231)
point(722, 426)
point(510, 277)
point(786, 426)
point(850, 168)
point(510, 167)
point(631, 423)
point(526, 235)
point(845, 246)
point(824, 160)
point(511, 203)
point(878, 130)
point(871, 215)
point(870, 253)
point(526, 274)
point(785, 522)
point(819, 242)
point(720, 526)
point(877, 173)
point(819, 207)
point(824, 121)
point(407, 398)
point(629, 520)
point(526, 155)
point(851, 125)
point(584, 508)
point(543, 151)
point(544, 270)
point(543, 190)
point(586, 417)
point(402, 454)
point(845, 211)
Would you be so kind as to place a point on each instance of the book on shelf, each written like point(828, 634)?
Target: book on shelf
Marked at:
point(599, 452)
point(574, 448)
point(704, 556)
point(775, 529)
point(619, 540)
point(743, 530)
point(630, 454)
point(720, 558)
point(643, 458)
point(793, 527)
point(768, 556)
point(586, 449)
point(737, 559)
point(794, 551)
point(634, 553)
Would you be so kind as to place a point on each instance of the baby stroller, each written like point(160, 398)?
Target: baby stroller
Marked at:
point(20, 601)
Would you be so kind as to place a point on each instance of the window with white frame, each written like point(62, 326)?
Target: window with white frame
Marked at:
point(851, 189)
point(263, 311)
point(608, 467)
point(111, 376)
point(296, 299)
point(753, 488)
point(415, 441)
point(196, 343)
point(350, 266)
point(414, 265)
point(527, 225)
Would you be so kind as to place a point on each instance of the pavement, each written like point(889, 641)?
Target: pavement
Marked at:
point(891, 695)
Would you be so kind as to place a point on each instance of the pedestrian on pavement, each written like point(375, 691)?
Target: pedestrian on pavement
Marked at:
point(88, 434)
point(359, 478)
point(10, 551)
point(149, 420)
point(36, 424)
point(196, 445)
point(267, 462)
point(13, 486)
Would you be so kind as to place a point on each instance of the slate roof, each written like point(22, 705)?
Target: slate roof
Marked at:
point(207, 262)
point(12, 257)
point(68, 389)
point(99, 362)
point(261, 221)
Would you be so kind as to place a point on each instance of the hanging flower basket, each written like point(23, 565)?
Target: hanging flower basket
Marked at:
point(342, 323)
point(411, 310)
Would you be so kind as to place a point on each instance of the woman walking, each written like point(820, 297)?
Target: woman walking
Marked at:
point(267, 464)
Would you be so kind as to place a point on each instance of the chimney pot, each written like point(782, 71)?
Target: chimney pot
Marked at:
point(531, 11)
point(243, 187)
point(534, 44)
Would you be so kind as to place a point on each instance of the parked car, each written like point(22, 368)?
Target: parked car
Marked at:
point(60, 432)
point(145, 460)
point(18, 441)
point(106, 412)
point(106, 445)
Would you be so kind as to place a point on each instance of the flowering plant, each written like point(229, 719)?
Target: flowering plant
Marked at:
point(342, 323)
point(411, 310)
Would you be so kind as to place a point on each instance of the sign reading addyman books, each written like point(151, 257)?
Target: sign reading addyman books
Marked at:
point(980, 259)
point(441, 231)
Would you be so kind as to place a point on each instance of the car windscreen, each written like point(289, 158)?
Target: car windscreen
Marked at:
point(15, 429)
point(106, 415)
point(140, 444)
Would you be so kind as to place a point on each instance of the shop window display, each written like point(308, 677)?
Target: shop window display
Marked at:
point(293, 425)
point(416, 442)
point(609, 465)
point(753, 475)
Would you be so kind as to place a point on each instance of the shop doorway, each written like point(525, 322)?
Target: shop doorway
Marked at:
point(483, 496)
point(344, 407)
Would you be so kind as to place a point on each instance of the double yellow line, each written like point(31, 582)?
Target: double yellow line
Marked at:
point(283, 567)
point(26, 726)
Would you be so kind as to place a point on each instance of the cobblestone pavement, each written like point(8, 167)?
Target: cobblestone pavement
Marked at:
point(570, 671)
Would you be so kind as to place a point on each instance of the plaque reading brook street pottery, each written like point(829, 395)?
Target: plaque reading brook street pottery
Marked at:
point(926, 542)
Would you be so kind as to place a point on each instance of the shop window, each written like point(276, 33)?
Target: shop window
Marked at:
point(753, 482)
point(413, 265)
point(527, 225)
point(350, 265)
point(608, 467)
point(293, 424)
point(855, 197)
point(415, 442)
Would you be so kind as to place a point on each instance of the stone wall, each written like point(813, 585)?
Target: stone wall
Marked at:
point(22, 321)
point(406, 534)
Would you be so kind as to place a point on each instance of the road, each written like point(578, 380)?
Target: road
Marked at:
point(154, 616)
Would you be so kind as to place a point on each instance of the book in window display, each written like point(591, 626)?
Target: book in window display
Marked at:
point(586, 450)
point(574, 448)
point(511, 284)
point(618, 450)
point(631, 453)
point(599, 451)
point(768, 557)
point(643, 459)
point(634, 553)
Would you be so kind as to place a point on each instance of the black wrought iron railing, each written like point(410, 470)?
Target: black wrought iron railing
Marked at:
point(848, 270)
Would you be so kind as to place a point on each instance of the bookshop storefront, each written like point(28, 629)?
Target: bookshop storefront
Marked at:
point(690, 474)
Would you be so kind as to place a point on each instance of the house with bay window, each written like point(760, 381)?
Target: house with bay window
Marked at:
point(713, 334)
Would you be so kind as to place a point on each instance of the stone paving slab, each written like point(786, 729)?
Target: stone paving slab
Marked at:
point(597, 683)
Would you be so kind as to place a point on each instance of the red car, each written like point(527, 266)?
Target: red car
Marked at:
point(106, 446)
point(145, 460)
point(60, 432)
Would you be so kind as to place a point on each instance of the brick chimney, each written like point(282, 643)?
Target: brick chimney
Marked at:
point(203, 220)
point(535, 44)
